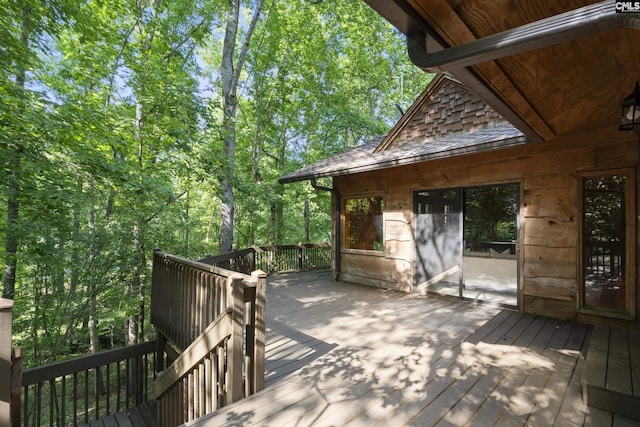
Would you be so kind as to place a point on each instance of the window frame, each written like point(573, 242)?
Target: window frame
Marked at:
point(345, 228)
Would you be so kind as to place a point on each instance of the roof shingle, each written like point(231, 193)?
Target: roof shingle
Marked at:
point(364, 159)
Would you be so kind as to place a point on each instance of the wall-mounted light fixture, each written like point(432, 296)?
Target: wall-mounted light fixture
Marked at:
point(630, 116)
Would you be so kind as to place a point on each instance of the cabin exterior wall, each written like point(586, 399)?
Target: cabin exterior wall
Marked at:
point(549, 175)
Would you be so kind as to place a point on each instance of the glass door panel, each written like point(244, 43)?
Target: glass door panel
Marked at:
point(490, 257)
point(438, 228)
point(604, 243)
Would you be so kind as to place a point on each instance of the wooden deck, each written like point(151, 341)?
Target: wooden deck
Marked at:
point(611, 379)
point(341, 354)
point(140, 416)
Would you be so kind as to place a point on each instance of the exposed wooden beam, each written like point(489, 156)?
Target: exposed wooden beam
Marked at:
point(439, 15)
point(568, 26)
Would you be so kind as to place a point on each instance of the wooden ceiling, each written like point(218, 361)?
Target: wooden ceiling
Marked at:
point(554, 89)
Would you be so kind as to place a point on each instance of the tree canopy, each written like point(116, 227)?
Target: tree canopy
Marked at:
point(116, 125)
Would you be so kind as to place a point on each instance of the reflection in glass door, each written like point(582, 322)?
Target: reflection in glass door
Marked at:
point(604, 243)
point(466, 243)
point(438, 265)
point(490, 252)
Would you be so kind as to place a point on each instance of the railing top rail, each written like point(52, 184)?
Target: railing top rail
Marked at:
point(211, 337)
point(202, 266)
point(83, 363)
point(212, 259)
point(296, 246)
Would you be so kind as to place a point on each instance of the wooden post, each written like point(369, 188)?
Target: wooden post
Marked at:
point(6, 314)
point(259, 329)
point(16, 387)
point(161, 343)
point(235, 356)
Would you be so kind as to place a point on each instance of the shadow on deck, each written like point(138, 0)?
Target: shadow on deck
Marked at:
point(343, 354)
point(611, 379)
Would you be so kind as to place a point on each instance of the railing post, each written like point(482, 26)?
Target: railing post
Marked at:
point(6, 315)
point(16, 387)
point(300, 249)
point(259, 329)
point(235, 354)
point(252, 258)
point(161, 344)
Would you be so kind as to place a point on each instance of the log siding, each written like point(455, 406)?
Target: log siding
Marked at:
point(549, 211)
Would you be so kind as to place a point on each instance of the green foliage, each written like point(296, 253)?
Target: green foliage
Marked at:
point(110, 123)
point(490, 214)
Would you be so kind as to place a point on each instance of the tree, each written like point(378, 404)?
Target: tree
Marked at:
point(111, 141)
point(230, 70)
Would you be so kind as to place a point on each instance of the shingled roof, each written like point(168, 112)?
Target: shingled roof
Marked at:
point(446, 120)
point(364, 158)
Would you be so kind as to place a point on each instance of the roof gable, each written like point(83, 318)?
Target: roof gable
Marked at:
point(445, 108)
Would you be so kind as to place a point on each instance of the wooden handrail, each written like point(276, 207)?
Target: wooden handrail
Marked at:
point(212, 337)
point(274, 259)
point(216, 318)
point(84, 363)
point(187, 296)
point(86, 388)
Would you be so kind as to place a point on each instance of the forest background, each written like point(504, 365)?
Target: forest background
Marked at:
point(127, 125)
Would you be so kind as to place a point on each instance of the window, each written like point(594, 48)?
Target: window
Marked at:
point(363, 223)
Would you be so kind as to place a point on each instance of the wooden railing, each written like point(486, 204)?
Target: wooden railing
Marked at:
point(604, 261)
point(274, 259)
point(84, 389)
point(214, 320)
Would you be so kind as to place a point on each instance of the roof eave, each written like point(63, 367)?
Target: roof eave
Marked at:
point(404, 17)
point(387, 164)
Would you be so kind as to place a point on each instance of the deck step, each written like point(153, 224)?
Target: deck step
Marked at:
point(611, 377)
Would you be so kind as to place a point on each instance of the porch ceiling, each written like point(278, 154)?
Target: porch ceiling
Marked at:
point(551, 90)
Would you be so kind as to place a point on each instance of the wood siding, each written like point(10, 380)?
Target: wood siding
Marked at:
point(549, 211)
point(444, 108)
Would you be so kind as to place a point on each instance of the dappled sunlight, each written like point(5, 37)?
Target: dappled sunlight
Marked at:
point(340, 354)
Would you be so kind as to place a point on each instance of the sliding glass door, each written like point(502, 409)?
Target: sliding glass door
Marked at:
point(466, 243)
point(491, 241)
point(438, 216)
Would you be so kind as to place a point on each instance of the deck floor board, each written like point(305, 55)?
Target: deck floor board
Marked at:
point(340, 354)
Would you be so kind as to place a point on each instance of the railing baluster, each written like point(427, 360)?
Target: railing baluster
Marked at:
point(75, 398)
point(39, 401)
point(118, 385)
point(86, 396)
point(96, 387)
point(25, 403)
point(127, 377)
point(63, 410)
point(52, 406)
point(108, 390)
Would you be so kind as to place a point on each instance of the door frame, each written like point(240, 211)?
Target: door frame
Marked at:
point(518, 184)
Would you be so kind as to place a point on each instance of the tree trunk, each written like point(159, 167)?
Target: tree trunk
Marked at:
point(11, 238)
point(273, 224)
point(94, 342)
point(13, 184)
point(74, 276)
point(229, 87)
point(307, 220)
point(229, 76)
